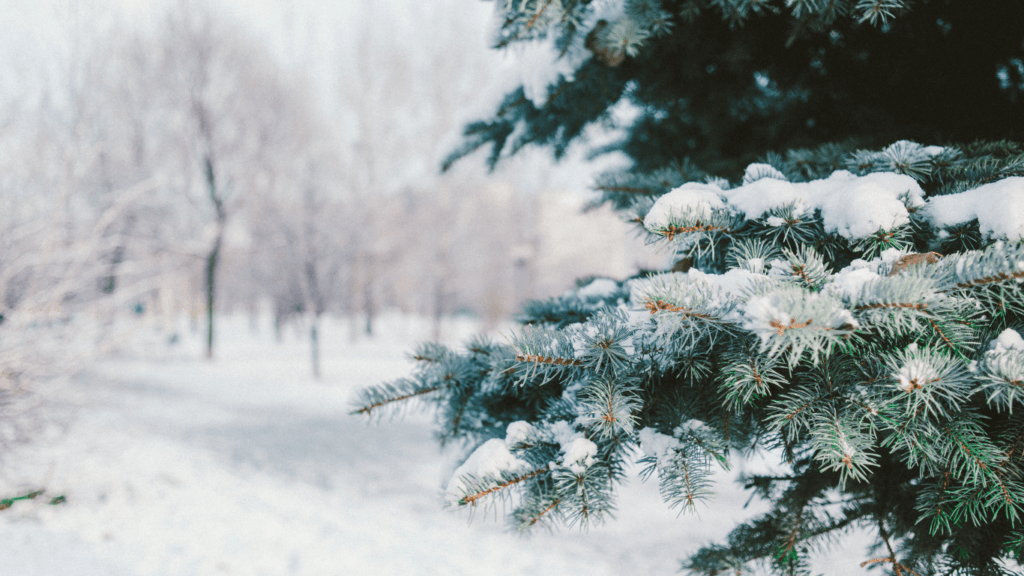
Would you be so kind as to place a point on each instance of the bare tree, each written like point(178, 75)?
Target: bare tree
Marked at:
point(224, 95)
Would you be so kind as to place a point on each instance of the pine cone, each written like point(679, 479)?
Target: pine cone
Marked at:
point(913, 259)
point(683, 265)
point(609, 56)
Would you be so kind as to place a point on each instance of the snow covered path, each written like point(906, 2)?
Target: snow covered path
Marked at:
point(246, 467)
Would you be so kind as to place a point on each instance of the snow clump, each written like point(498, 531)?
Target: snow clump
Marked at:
point(998, 206)
point(693, 198)
point(691, 427)
point(851, 206)
point(580, 454)
point(488, 462)
point(599, 288)
point(519, 433)
point(772, 314)
point(850, 281)
point(915, 374)
point(758, 171)
point(1007, 340)
point(654, 444)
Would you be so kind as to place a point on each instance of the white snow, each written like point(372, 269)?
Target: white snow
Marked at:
point(539, 63)
point(487, 462)
point(539, 66)
point(517, 433)
point(579, 455)
point(760, 312)
point(245, 466)
point(999, 208)
point(850, 281)
point(756, 265)
point(1007, 340)
point(563, 432)
point(654, 444)
point(757, 171)
point(599, 288)
point(844, 444)
point(769, 314)
point(851, 206)
point(859, 206)
point(757, 198)
point(695, 199)
point(915, 374)
point(690, 426)
point(735, 281)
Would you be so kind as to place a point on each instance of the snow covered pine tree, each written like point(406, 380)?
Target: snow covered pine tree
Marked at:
point(856, 311)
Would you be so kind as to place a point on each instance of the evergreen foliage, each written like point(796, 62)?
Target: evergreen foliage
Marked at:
point(852, 307)
point(722, 81)
point(888, 377)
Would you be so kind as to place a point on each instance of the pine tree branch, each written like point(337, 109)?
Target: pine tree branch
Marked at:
point(944, 338)
point(537, 16)
point(472, 498)
point(630, 190)
point(671, 231)
point(553, 360)
point(550, 507)
point(1001, 277)
point(369, 408)
point(8, 502)
point(896, 565)
point(659, 305)
point(877, 305)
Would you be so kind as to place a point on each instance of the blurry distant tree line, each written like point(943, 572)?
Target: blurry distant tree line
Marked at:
point(141, 157)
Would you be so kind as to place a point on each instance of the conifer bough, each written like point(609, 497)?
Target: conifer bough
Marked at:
point(855, 310)
point(886, 366)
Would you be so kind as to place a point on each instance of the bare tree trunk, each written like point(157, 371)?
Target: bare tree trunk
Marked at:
point(352, 306)
point(213, 258)
point(438, 312)
point(369, 302)
point(316, 307)
point(211, 276)
point(440, 303)
point(314, 340)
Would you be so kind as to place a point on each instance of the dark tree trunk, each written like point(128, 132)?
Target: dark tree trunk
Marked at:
point(316, 307)
point(211, 277)
point(314, 341)
point(369, 303)
point(109, 282)
point(213, 258)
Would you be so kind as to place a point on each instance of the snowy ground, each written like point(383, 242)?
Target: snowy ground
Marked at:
point(245, 466)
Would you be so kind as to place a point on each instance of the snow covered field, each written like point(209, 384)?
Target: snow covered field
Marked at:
point(246, 466)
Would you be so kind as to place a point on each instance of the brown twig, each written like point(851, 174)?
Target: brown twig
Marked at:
point(538, 359)
point(671, 231)
point(472, 498)
point(545, 511)
point(792, 325)
point(989, 279)
point(914, 305)
point(538, 14)
point(659, 305)
point(367, 409)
